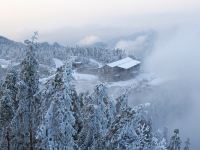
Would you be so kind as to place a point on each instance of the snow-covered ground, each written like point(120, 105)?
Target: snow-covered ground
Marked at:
point(85, 82)
point(96, 62)
point(84, 77)
point(143, 77)
point(143, 80)
point(44, 80)
point(5, 63)
point(58, 62)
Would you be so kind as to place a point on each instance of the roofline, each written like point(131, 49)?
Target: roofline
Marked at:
point(120, 64)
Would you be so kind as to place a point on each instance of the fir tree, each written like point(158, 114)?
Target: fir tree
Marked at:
point(77, 110)
point(8, 104)
point(100, 98)
point(159, 144)
point(6, 111)
point(144, 133)
point(187, 145)
point(76, 102)
point(122, 102)
point(175, 141)
point(56, 131)
point(91, 133)
point(130, 130)
point(159, 141)
point(99, 113)
point(10, 84)
point(23, 124)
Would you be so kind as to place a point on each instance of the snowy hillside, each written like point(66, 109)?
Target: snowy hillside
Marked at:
point(47, 103)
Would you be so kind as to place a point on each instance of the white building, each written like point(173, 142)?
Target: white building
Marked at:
point(121, 68)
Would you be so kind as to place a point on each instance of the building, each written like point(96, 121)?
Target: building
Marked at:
point(120, 69)
point(77, 64)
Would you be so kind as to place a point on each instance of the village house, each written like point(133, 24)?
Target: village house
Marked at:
point(121, 69)
point(77, 64)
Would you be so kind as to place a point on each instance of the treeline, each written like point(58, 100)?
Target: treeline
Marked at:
point(45, 52)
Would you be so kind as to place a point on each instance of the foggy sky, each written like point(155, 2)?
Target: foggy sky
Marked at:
point(20, 17)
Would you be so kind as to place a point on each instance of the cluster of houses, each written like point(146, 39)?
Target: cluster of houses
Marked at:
point(119, 70)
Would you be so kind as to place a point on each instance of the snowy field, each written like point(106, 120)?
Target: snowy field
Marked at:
point(5, 63)
point(85, 82)
point(96, 62)
point(58, 62)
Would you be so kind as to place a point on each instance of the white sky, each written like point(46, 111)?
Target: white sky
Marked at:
point(18, 16)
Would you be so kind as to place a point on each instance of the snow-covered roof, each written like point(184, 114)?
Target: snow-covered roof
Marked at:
point(125, 63)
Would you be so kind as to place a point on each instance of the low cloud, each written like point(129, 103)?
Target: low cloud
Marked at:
point(89, 40)
point(132, 46)
point(139, 46)
point(178, 60)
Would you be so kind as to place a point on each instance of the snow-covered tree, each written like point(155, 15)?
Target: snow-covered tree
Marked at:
point(122, 133)
point(8, 103)
point(76, 102)
point(23, 124)
point(91, 133)
point(122, 102)
point(165, 134)
point(29, 67)
point(159, 141)
point(110, 112)
point(98, 113)
point(56, 131)
point(100, 98)
point(187, 144)
point(76, 108)
point(144, 133)
point(175, 141)
point(130, 130)
point(6, 111)
point(10, 84)
point(159, 144)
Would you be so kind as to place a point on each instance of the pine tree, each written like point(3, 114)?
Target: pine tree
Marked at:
point(110, 112)
point(99, 113)
point(130, 130)
point(160, 144)
point(175, 141)
point(91, 133)
point(76, 102)
point(144, 133)
point(10, 84)
point(165, 134)
point(187, 145)
point(8, 102)
point(77, 110)
point(159, 141)
point(100, 98)
point(122, 102)
point(121, 134)
point(56, 131)
point(23, 125)
point(6, 111)
point(29, 67)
